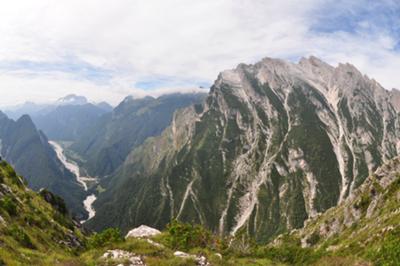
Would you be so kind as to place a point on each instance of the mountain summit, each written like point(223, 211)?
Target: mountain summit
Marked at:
point(273, 144)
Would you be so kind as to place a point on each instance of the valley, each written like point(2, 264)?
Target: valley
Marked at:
point(82, 180)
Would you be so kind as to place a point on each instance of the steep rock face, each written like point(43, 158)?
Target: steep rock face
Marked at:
point(274, 144)
point(28, 150)
point(395, 98)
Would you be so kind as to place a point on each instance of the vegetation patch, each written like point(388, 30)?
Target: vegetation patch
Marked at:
point(363, 203)
point(7, 204)
point(313, 238)
point(389, 252)
point(20, 236)
point(185, 236)
point(106, 237)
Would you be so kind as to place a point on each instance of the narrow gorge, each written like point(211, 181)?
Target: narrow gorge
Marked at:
point(82, 180)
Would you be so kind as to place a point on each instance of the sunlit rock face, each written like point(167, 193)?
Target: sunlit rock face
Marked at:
point(274, 144)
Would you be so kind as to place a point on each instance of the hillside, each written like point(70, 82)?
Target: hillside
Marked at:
point(364, 225)
point(28, 151)
point(274, 144)
point(35, 228)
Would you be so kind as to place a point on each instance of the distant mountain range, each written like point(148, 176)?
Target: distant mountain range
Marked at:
point(68, 122)
point(101, 138)
point(65, 119)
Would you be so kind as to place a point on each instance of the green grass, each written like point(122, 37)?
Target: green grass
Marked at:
point(34, 231)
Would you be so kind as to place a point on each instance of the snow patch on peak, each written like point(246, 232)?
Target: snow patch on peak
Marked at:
point(72, 99)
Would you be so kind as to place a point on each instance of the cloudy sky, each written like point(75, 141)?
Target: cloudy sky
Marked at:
point(107, 49)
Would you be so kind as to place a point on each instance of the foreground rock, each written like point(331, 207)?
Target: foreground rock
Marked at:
point(142, 231)
point(122, 255)
point(200, 259)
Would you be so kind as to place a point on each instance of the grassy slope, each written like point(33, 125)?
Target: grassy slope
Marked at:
point(33, 232)
point(366, 225)
point(160, 256)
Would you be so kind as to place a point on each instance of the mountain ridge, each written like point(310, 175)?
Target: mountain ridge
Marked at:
point(289, 134)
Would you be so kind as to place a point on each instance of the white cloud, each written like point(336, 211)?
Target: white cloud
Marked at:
point(181, 39)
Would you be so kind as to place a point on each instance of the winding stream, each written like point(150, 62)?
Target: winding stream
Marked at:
point(74, 168)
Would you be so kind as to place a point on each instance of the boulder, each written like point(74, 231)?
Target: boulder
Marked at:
point(142, 231)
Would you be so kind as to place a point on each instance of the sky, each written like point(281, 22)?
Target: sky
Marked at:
point(108, 49)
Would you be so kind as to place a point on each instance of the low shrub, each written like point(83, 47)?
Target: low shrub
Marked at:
point(57, 202)
point(184, 236)
point(363, 203)
point(7, 204)
point(108, 236)
point(20, 236)
point(313, 238)
point(242, 244)
point(290, 252)
point(389, 252)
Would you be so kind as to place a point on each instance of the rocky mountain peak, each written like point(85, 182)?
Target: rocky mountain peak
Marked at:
point(317, 68)
point(26, 123)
